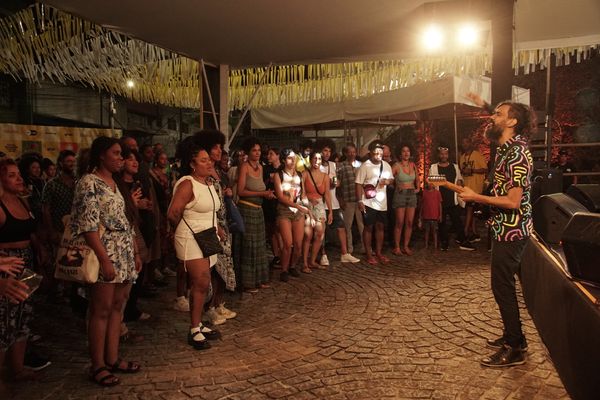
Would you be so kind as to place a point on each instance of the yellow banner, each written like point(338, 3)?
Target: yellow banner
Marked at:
point(47, 140)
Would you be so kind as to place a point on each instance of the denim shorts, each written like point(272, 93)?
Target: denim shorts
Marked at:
point(404, 198)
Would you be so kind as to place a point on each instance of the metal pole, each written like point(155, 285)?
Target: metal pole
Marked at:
point(237, 127)
point(111, 113)
point(455, 135)
point(201, 96)
point(180, 122)
point(551, 60)
point(210, 99)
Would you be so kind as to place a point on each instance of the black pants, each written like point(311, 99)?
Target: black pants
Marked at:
point(454, 213)
point(506, 262)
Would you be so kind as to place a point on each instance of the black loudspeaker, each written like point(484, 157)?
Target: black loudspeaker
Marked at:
point(545, 181)
point(581, 244)
point(551, 214)
point(586, 194)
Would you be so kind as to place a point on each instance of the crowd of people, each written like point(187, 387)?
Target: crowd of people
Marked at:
point(207, 219)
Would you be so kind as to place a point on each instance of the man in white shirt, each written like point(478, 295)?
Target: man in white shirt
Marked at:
point(371, 181)
point(329, 168)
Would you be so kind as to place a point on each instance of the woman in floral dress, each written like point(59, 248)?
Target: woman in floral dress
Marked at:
point(97, 204)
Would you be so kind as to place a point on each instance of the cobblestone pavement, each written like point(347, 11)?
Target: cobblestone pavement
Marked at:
point(411, 329)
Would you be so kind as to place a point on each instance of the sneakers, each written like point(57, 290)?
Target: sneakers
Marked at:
point(294, 272)
point(169, 272)
point(474, 238)
point(444, 248)
point(284, 276)
point(324, 261)
point(466, 246)
point(348, 258)
point(181, 304)
point(506, 356)
point(225, 312)
point(213, 317)
point(498, 343)
point(35, 362)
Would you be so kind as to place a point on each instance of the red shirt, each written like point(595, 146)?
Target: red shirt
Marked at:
point(431, 204)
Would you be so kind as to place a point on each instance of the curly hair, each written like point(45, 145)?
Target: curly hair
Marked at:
point(187, 149)
point(526, 120)
point(399, 150)
point(249, 144)
point(325, 142)
point(210, 138)
point(25, 163)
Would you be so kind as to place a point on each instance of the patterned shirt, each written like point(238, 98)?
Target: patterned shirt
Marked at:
point(59, 198)
point(513, 169)
point(346, 173)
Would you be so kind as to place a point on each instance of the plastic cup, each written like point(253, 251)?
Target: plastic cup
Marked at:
point(31, 279)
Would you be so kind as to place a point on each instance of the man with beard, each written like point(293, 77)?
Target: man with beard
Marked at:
point(511, 222)
point(57, 197)
point(302, 159)
point(372, 179)
point(450, 207)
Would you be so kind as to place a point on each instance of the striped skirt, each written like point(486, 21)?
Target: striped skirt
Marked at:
point(253, 249)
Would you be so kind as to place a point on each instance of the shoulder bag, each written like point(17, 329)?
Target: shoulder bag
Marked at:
point(371, 190)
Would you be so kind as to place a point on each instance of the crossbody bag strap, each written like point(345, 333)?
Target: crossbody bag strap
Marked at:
point(380, 172)
point(213, 213)
point(315, 183)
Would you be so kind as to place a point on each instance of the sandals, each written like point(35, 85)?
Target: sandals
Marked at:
point(251, 290)
point(306, 270)
point(372, 261)
point(383, 259)
point(397, 251)
point(407, 251)
point(131, 368)
point(107, 380)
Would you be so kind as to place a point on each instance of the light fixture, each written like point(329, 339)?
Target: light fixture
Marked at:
point(467, 36)
point(130, 83)
point(432, 38)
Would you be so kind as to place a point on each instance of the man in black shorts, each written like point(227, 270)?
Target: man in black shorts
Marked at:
point(372, 179)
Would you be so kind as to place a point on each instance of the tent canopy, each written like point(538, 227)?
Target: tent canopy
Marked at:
point(258, 32)
point(436, 97)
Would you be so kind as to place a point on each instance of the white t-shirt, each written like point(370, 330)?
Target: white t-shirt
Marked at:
point(330, 169)
point(368, 174)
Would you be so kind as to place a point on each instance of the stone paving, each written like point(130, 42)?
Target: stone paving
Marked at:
point(414, 329)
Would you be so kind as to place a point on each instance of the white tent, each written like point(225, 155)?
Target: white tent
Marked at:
point(248, 33)
point(443, 98)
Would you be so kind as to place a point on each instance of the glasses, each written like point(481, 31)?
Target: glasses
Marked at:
point(442, 148)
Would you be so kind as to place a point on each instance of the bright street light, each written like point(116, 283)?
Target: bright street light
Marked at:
point(130, 83)
point(433, 38)
point(467, 36)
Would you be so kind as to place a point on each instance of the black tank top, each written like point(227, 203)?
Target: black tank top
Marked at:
point(14, 229)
